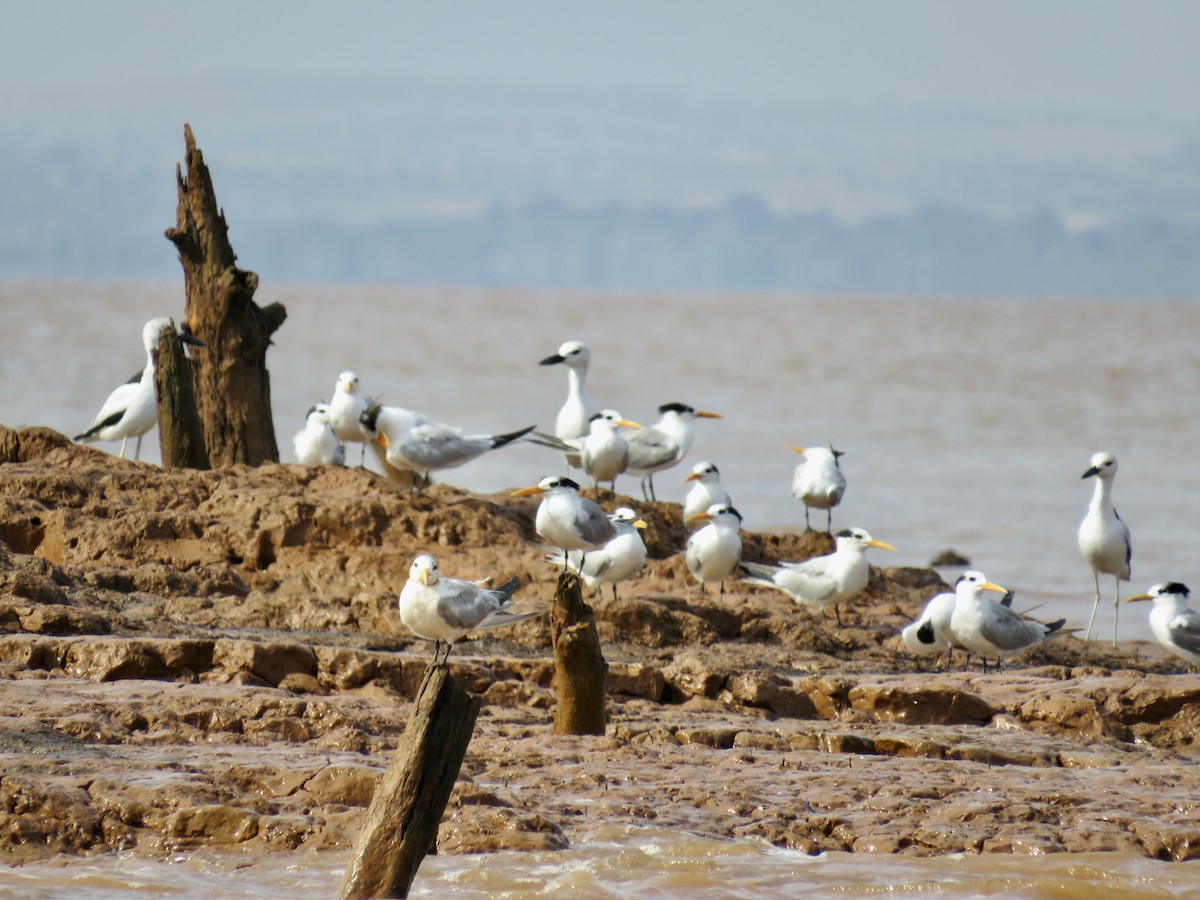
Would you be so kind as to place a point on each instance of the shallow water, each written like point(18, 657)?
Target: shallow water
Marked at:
point(966, 423)
point(622, 863)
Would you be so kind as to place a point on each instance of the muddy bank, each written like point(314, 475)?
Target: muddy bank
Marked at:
point(214, 659)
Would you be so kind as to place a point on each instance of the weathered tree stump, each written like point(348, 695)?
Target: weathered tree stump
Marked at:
point(402, 821)
point(233, 389)
point(580, 670)
point(179, 430)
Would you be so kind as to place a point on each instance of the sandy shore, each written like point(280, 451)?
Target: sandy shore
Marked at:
point(214, 659)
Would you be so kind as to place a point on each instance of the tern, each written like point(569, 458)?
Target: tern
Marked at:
point(818, 482)
point(605, 452)
point(713, 552)
point(706, 491)
point(577, 411)
point(822, 581)
point(568, 521)
point(346, 411)
point(930, 632)
point(1176, 627)
point(131, 410)
point(415, 443)
point(991, 629)
point(316, 444)
point(663, 444)
point(444, 609)
point(618, 560)
point(1104, 538)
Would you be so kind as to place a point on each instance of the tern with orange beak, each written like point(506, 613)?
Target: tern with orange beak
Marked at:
point(1176, 627)
point(605, 450)
point(706, 491)
point(618, 560)
point(566, 520)
point(991, 629)
point(822, 581)
point(818, 481)
point(346, 410)
point(444, 609)
point(663, 444)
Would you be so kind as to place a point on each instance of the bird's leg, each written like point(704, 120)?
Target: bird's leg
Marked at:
point(645, 496)
point(1095, 603)
point(137, 448)
point(837, 611)
point(652, 495)
point(807, 527)
point(582, 556)
point(614, 592)
point(702, 589)
point(829, 521)
point(566, 560)
point(1116, 605)
point(124, 441)
point(722, 596)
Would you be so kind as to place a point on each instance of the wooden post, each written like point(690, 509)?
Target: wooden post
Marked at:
point(233, 389)
point(402, 821)
point(580, 671)
point(179, 431)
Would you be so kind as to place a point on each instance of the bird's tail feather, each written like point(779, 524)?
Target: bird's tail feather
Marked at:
point(499, 440)
point(761, 570)
point(503, 617)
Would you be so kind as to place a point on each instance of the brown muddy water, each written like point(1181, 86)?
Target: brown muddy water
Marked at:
point(966, 424)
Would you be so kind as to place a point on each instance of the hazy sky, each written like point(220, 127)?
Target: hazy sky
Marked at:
point(1034, 55)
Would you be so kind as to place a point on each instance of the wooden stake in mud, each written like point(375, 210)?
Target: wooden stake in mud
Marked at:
point(580, 671)
point(402, 822)
point(179, 431)
point(233, 389)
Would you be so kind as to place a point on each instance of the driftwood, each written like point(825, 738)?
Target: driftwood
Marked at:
point(580, 671)
point(233, 389)
point(179, 430)
point(402, 822)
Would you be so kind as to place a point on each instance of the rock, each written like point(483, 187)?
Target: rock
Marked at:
point(942, 704)
point(270, 662)
point(950, 558)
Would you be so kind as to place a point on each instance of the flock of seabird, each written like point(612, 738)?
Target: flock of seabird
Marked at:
point(606, 548)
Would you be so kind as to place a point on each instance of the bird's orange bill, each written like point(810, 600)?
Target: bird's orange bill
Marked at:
point(882, 546)
point(423, 574)
point(1136, 597)
point(708, 415)
point(527, 492)
point(381, 440)
point(626, 423)
point(797, 449)
point(988, 586)
point(693, 477)
point(640, 523)
point(699, 517)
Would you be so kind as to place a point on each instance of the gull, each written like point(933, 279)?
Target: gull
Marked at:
point(131, 410)
point(1103, 537)
point(605, 452)
point(444, 609)
point(663, 444)
point(576, 413)
point(566, 520)
point(930, 632)
point(618, 560)
point(316, 444)
point(988, 628)
point(706, 491)
point(713, 552)
point(818, 482)
point(1176, 627)
point(414, 443)
point(346, 411)
point(822, 581)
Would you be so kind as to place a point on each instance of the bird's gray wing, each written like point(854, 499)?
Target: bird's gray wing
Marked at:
point(462, 604)
point(436, 446)
point(649, 447)
point(692, 556)
point(1008, 631)
point(594, 526)
point(812, 582)
point(1185, 631)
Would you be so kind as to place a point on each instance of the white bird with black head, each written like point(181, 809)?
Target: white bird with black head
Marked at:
point(706, 490)
point(818, 481)
point(316, 444)
point(713, 552)
point(1176, 627)
point(990, 629)
point(1103, 538)
point(664, 443)
point(567, 520)
point(576, 413)
point(618, 560)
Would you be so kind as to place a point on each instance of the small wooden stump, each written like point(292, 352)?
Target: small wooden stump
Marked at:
point(580, 671)
point(402, 821)
point(180, 433)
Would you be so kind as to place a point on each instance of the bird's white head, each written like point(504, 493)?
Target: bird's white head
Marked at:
point(720, 513)
point(574, 354)
point(819, 454)
point(424, 569)
point(969, 585)
point(705, 472)
point(347, 382)
point(153, 329)
point(858, 538)
point(318, 412)
point(1169, 593)
point(1104, 465)
point(623, 515)
point(550, 484)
